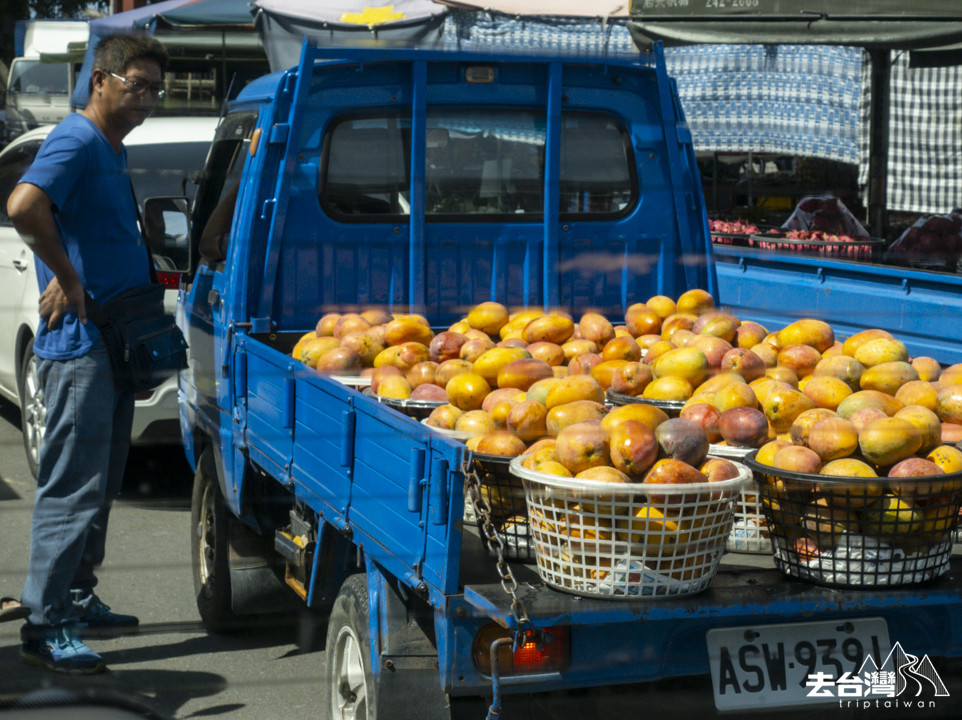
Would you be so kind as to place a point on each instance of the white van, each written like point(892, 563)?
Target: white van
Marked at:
point(162, 153)
point(38, 93)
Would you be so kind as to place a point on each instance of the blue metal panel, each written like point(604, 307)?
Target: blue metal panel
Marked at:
point(443, 547)
point(919, 308)
point(379, 494)
point(266, 402)
point(319, 442)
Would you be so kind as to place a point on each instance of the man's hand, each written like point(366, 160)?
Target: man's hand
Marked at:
point(55, 301)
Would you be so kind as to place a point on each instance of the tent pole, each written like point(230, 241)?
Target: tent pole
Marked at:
point(879, 140)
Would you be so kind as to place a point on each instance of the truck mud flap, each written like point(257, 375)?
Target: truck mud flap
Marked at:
point(256, 586)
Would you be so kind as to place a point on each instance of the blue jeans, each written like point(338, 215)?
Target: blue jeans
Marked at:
point(82, 459)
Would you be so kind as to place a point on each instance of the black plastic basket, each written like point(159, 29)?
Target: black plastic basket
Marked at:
point(860, 249)
point(857, 532)
point(504, 494)
point(671, 407)
point(417, 409)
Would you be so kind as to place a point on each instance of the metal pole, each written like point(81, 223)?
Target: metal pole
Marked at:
point(878, 154)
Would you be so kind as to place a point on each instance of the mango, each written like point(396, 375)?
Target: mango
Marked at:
point(648, 527)
point(882, 350)
point(661, 305)
point(312, 350)
point(743, 427)
point(947, 457)
point(928, 424)
point(892, 516)
point(423, 373)
point(749, 334)
point(783, 374)
point(548, 352)
point(572, 388)
point(528, 420)
point(886, 441)
point(888, 377)
point(720, 326)
point(647, 414)
point(351, 322)
point(339, 361)
point(475, 422)
point(861, 418)
point(549, 328)
point(562, 416)
point(596, 328)
point(803, 424)
point(583, 445)
point(631, 379)
point(782, 404)
point(928, 368)
point(801, 359)
point(517, 321)
point(522, 373)
point(833, 438)
point(604, 371)
point(868, 398)
point(668, 388)
point(501, 442)
point(735, 395)
point(448, 369)
point(673, 323)
point(539, 391)
point(467, 391)
point(325, 326)
point(301, 342)
point(495, 397)
point(766, 453)
point(490, 363)
point(852, 344)
point(808, 331)
point(395, 386)
point(574, 348)
point(952, 375)
point(768, 353)
point(364, 344)
point(687, 363)
point(743, 362)
point(488, 317)
point(633, 447)
point(444, 417)
point(622, 348)
point(797, 459)
point(948, 404)
point(475, 347)
point(641, 320)
point(695, 301)
point(827, 391)
point(398, 332)
point(823, 518)
point(918, 392)
point(584, 364)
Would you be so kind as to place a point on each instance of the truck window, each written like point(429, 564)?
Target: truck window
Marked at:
point(12, 167)
point(223, 169)
point(35, 77)
point(486, 165)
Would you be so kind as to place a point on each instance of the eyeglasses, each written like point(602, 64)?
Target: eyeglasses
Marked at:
point(139, 86)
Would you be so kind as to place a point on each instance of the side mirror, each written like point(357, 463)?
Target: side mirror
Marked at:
point(166, 230)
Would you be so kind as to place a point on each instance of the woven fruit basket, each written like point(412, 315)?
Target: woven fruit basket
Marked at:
point(750, 529)
point(601, 539)
point(856, 532)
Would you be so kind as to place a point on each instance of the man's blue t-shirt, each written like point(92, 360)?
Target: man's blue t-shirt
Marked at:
point(97, 218)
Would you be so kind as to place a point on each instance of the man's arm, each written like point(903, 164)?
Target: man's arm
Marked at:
point(31, 211)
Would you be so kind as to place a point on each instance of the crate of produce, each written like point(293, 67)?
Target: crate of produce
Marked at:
point(621, 540)
point(504, 494)
point(857, 531)
point(750, 528)
point(812, 242)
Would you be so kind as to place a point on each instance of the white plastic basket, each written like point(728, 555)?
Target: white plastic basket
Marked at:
point(595, 538)
point(750, 529)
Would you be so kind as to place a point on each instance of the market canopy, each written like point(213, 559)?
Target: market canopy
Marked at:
point(871, 24)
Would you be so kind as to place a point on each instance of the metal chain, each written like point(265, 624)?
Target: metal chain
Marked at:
point(510, 585)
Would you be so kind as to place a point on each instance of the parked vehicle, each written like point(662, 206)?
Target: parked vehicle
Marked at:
point(162, 153)
point(425, 182)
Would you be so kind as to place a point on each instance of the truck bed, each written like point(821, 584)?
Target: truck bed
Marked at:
point(776, 288)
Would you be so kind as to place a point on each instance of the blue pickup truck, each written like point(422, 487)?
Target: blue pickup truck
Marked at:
point(419, 181)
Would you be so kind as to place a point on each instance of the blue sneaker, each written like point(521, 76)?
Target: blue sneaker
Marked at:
point(98, 616)
point(59, 649)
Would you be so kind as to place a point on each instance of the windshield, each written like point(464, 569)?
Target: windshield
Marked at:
point(35, 77)
point(486, 165)
point(162, 169)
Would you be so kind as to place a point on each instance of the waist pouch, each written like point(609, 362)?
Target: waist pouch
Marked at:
point(144, 344)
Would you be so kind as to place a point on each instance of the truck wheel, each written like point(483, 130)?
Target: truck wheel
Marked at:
point(209, 518)
point(32, 409)
point(350, 679)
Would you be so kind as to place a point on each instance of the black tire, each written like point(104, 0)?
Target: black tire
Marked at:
point(352, 692)
point(32, 408)
point(210, 546)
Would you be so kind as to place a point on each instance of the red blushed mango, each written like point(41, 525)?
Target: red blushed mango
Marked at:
point(802, 359)
point(744, 362)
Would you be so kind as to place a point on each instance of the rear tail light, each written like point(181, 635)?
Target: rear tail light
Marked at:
point(169, 280)
point(526, 660)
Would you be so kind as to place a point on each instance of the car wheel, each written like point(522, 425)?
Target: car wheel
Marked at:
point(210, 539)
point(350, 678)
point(32, 409)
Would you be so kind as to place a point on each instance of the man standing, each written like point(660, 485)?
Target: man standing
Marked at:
point(75, 209)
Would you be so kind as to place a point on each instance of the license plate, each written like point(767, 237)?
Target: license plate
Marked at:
point(782, 665)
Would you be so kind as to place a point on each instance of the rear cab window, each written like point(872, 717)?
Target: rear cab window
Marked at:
point(478, 166)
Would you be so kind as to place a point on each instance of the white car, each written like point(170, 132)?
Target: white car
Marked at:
point(162, 154)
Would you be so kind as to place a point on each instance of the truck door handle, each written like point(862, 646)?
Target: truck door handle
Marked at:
point(21, 265)
point(213, 297)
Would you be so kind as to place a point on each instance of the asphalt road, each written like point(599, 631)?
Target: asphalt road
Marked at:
point(171, 664)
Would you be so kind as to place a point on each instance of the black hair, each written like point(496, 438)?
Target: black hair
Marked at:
point(115, 52)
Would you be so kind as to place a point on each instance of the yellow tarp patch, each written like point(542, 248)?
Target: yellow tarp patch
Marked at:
point(373, 16)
